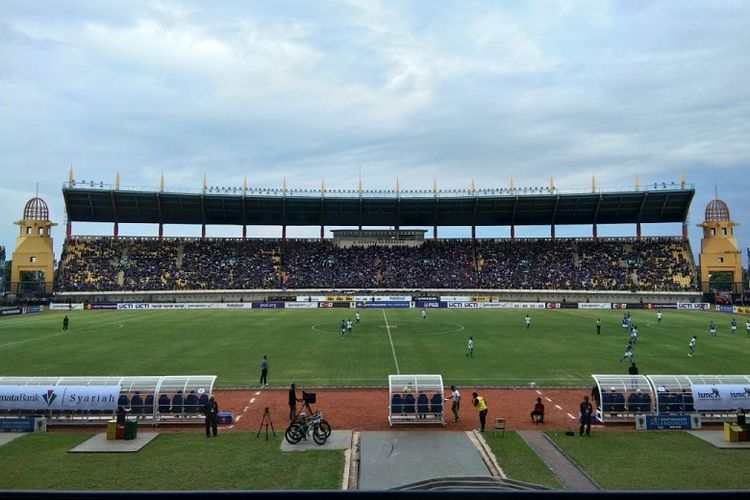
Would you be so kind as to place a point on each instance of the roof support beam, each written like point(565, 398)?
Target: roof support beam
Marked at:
point(643, 205)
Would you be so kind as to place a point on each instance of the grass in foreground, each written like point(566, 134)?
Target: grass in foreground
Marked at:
point(519, 462)
point(656, 460)
point(173, 461)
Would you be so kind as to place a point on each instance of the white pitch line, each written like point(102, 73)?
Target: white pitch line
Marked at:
point(540, 393)
point(548, 399)
point(558, 407)
point(257, 393)
point(252, 400)
point(393, 349)
point(245, 409)
point(238, 418)
point(571, 416)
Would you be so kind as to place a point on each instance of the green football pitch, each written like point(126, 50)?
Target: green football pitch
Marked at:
point(561, 348)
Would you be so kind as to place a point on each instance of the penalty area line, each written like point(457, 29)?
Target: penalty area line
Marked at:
point(393, 349)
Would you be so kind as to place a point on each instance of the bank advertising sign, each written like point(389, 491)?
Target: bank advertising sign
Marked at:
point(726, 397)
point(41, 398)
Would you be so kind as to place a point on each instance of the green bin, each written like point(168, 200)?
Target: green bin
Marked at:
point(131, 428)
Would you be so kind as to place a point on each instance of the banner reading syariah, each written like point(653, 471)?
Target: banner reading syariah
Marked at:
point(726, 397)
point(43, 398)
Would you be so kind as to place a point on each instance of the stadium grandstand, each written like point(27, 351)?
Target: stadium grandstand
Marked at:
point(384, 259)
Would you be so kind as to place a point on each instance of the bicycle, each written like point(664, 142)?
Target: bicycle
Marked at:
point(300, 428)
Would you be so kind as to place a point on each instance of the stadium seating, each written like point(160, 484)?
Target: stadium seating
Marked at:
point(164, 403)
point(191, 403)
point(130, 264)
point(177, 403)
point(396, 404)
point(613, 402)
point(408, 404)
point(436, 403)
point(136, 404)
point(148, 406)
point(423, 404)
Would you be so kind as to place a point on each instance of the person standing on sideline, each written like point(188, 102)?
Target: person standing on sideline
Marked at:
point(528, 321)
point(264, 371)
point(747, 328)
point(658, 316)
point(470, 348)
point(356, 317)
point(633, 370)
point(586, 411)
point(456, 398)
point(691, 346)
point(65, 323)
point(712, 328)
point(481, 405)
point(211, 412)
point(293, 402)
point(734, 326)
point(349, 327)
point(424, 314)
point(598, 326)
point(537, 415)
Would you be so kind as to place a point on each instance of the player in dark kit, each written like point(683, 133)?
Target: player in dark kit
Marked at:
point(65, 323)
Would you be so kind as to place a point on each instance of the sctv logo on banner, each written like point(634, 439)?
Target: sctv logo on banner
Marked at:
point(461, 305)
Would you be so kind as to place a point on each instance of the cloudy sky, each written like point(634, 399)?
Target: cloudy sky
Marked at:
point(409, 90)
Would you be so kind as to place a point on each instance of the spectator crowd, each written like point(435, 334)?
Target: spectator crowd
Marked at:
point(130, 264)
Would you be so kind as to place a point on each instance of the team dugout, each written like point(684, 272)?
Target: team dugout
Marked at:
point(416, 399)
point(159, 399)
point(621, 398)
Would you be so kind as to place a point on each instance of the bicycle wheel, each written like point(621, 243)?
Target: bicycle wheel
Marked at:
point(326, 427)
point(293, 433)
point(319, 434)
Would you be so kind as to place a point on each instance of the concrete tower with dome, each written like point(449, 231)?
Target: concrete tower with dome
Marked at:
point(33, 267)
point(719, 251)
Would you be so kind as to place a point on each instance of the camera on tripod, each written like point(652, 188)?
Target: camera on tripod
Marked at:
point(308, 397)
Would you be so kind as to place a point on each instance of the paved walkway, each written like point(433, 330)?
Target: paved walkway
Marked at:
point(568, 472)
point(393, 459)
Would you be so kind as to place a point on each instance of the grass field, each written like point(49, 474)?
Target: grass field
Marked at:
point(240, 461)
point(560, 349)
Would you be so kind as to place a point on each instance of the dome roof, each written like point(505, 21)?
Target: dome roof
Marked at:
point(717, 210)
point(36, 209)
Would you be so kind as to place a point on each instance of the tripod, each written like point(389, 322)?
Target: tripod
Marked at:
point(266, 422)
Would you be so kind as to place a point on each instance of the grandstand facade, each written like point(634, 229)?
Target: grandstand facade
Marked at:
point(242, 268)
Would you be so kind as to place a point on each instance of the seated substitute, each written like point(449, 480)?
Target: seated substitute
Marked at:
point(537, 415)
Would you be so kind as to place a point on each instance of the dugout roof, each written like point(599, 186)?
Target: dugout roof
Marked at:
point(96, 202)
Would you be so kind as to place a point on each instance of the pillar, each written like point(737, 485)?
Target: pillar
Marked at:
point(322, 232)
point(512, 233)
point(203, 232)
point(596, 238)
point(434, 233)
point(552, 232)
point(116, 232)
point(244, 232)
point(283, 234)
point(161, 231)
point(68, 231)
point(638, 232)
point(473, 232)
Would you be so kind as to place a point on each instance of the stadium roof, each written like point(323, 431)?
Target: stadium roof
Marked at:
point(97, 202)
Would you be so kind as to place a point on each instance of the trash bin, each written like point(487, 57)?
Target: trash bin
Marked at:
point(131, 428)
point(111, 429)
